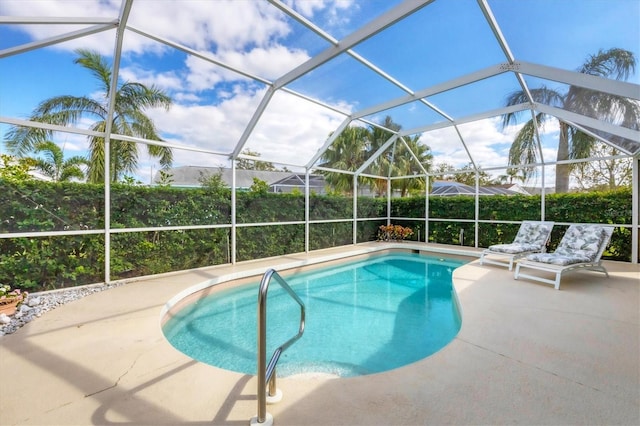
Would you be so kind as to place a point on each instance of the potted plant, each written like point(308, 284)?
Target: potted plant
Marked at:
point(10, 299)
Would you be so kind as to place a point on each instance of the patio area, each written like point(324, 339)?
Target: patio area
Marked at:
point(526, 354)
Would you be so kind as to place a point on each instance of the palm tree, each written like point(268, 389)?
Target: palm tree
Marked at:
point(131, 99)
point(572, 143)
point(511, 175)
point(54, 166)
point(382, 165)
point(357, 144)
point(405, 165)
point(347, 152)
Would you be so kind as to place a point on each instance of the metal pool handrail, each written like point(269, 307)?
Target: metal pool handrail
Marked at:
point(267, 372)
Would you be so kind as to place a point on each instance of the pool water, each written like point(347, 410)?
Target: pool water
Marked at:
point(362, 317)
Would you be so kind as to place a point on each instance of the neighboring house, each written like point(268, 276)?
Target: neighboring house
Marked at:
point(511, 187)
point(39, 176)
point(278, 181)
point(449, 188)
point(297, 181)
point(536, 190)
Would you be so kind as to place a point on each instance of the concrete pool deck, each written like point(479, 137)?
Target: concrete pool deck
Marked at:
point(526, 354)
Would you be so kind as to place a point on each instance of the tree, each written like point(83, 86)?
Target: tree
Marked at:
point(605, 174)
point(443, 170)
point(355, 145)
point(166, 179)
point(54, 166)
point(467, 177)
point(259, 186)
point(572, 143)
point(512, 174)
point(382, 165)
point(245, 164)
point(213, 183)
point(129, 119)
point(406, 165)
point(347, 152)
point(15, 169)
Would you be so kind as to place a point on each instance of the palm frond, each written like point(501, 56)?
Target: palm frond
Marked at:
point(71, 172)
point(541, 95)
point(21, 140)
point(45, 168)
point(581, 144)
point(524, 149)
point(613, 63)
point(97, 65)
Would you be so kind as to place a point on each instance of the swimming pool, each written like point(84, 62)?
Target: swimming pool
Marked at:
point(363, 317)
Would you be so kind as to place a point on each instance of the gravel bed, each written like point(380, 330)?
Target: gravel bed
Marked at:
point(37, 304)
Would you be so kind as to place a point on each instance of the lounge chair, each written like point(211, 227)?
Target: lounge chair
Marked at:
point(532, 237)
point(581, 247)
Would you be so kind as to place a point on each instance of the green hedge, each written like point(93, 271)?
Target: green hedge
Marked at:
point(594, 207)
point(53, 262)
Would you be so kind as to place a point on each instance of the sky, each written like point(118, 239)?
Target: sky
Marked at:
point(212, 105)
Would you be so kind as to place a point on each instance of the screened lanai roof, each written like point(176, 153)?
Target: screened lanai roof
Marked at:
point(278, 78)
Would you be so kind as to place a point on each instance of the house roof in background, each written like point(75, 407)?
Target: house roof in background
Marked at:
point(445, 188)
point(190, 176)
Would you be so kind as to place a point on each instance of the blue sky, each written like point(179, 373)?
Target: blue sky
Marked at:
point(446, 39)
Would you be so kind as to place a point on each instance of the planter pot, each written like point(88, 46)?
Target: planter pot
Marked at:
point(9, 308)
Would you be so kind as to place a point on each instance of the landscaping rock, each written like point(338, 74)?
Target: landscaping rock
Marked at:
point(40, 303)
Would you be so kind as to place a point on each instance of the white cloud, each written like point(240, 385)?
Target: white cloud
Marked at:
point(54, 8)
point(486, 144)
point(216, 128)
point(309, 7)
point(334, 13)
point(268, 62)
point(202, 25)
point(264, 62)
point(290, 131)
point(211, 25)
point(489, 147)
point(202, 75)
point(73, 144)
point(102, 42)
point(165, 80)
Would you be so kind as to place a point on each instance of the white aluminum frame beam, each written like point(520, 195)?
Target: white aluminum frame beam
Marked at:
point(26, 20)
point(369, 30)
point(433, 90)
point(635, 208)
point(413, 155)
point(573, 78)
point(467, 119)
point(253, 122)
point(569, 116)
point(196, 54)
point(304, 21)
point(117, 54)
point(114, 136)
point(58, 39)
point(328, 142)
point(376, 154)
point(502, 41)
point(598, 137)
